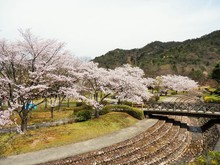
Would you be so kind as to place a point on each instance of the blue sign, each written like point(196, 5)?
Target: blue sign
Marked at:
point(31, 105)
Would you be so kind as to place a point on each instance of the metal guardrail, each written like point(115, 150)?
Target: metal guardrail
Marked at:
point(181, 108)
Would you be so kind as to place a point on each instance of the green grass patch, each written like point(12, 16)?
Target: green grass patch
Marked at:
point(44, 116)
point(162, 98)
point(38, 117)
point(212, 99)
point(65, 134)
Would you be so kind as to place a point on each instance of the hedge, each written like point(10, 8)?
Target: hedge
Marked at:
point(83, 115)
point(135, 112)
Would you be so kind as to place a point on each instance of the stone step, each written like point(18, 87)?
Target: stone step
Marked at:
point(152, 151)
point(127, 156)
point(176, 159)
point(171, 150)
point(119, 152)
point(116, 147)
point(137, 148)
point(175, 156)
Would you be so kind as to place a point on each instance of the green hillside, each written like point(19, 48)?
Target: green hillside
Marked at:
point(194, 58)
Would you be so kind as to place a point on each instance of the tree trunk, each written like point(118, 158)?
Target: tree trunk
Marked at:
point(59, 103)
point(96, 113)
point(31, 115)
point(24, 121)
point(68, 102)
point(96, 97)
point(0, 102)
point(45, 105)
point(51, 112)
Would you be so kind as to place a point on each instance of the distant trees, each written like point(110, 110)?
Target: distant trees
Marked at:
point(178, 83)
point(173, 82)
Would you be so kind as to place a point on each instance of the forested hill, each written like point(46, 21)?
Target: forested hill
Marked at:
point(194, 57)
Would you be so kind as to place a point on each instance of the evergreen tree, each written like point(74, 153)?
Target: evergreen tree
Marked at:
point(216, 73)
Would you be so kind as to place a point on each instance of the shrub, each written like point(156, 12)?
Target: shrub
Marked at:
point(83, 115)
point(126, 103)
point(212, 99)
point(212, 158)
point(78, 104)
point(135, 112)
point(82, 107)
point(105, 110)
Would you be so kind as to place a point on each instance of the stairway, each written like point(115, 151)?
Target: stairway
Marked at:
point(160, 144)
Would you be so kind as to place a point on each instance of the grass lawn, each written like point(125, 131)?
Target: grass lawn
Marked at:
point(38, 117)
point(43, 116)
point(162, 98)
point(11, 144)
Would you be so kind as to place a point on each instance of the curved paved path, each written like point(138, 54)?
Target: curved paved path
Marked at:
point(79, 148)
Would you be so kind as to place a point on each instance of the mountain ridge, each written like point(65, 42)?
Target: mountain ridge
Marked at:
point(193, 57)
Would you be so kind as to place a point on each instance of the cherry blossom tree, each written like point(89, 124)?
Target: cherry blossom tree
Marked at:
point(28, 71)
point(178, 83)
point(64, 82)
point(128, 83)
point(5, 117)
point(151, 83)
point(95, 84)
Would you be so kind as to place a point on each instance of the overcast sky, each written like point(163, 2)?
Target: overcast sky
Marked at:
point(94, 27)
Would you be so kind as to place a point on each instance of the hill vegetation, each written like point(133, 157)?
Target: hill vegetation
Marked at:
point(195, 58)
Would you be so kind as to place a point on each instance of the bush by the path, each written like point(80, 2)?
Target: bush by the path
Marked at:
point(135, 112)
point(83, 115)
